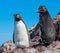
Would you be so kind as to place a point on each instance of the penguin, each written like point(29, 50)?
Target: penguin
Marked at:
point(20, 35)
point(47, 27)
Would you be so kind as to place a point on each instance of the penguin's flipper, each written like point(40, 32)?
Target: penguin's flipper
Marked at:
point(13, 38)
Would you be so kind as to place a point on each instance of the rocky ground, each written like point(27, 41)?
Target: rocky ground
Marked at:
point(9, 47)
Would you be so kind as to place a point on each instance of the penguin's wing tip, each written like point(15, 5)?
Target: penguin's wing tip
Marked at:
point(13, 38)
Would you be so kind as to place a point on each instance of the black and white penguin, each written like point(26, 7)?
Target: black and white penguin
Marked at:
point(20, 35)
point(47, 27)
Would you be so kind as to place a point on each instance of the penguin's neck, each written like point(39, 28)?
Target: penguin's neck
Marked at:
point(45, 14)
point(18, 21)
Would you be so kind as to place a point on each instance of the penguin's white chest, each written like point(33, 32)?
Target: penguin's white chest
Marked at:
point(20, 34)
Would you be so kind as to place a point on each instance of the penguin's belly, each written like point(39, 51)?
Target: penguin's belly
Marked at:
point(48, 34)
point(20, 34)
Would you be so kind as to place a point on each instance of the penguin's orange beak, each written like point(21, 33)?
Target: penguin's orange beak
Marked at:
point(37, 11)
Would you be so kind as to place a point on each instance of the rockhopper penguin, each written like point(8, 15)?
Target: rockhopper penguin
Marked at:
point(47, 27)
point(20, 35)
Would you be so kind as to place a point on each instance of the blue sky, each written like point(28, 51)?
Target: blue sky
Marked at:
point(27, 9)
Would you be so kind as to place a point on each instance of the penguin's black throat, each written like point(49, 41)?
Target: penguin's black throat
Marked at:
point(17, 17)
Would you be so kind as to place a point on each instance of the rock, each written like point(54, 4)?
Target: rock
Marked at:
point(54, 47)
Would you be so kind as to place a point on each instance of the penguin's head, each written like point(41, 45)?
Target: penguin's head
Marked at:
point(17, 17)
point(42, 9)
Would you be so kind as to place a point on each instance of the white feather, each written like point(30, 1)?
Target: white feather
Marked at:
point(20, 34)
